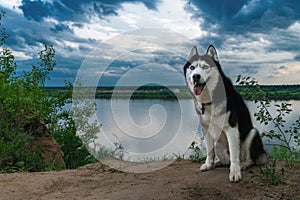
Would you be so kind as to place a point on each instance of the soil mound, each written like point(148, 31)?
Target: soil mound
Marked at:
point(43, 141)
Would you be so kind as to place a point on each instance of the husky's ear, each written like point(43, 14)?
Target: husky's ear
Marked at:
point(194, 52)
point(212, 52)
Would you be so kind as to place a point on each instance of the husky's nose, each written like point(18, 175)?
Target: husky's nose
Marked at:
point(196, 77)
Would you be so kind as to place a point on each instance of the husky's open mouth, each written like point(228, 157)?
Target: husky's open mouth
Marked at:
point(198, 87)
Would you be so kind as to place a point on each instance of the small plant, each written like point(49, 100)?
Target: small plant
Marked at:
point(281, 153)
point(281, 135)
point(178, 156)
point(113, 170)
point(269, 175)
point(197, 155)
point(105, 168)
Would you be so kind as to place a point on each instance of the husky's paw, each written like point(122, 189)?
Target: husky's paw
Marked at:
point(206, 167)
point(246, 164)
point(235, 174)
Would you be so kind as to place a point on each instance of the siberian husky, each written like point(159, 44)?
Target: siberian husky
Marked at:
point(229, 134)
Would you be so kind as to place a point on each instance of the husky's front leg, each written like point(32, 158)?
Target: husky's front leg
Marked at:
point(234, 151)
point(210, 153)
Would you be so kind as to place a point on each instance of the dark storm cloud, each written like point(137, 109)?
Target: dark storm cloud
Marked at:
point(23, 33)
point(63, 10)
point(61, 28)
point(219, 9)
point(297, 58)
point(26, 35)
point(240, 16)
point(79, 10)
point(259, 15)
point(282, 67)
point(33, 36)
point(282, 39)
point(20, 38)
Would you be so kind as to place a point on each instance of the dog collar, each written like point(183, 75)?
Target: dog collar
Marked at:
point(203, 107)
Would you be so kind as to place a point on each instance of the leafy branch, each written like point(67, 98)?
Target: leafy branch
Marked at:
point(254, 92)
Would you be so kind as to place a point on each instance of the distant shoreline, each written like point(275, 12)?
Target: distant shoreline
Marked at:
point(274, 92)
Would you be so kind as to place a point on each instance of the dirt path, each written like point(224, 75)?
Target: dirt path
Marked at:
point(181, 180)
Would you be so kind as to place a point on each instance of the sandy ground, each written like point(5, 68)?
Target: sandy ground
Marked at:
point(180, 180)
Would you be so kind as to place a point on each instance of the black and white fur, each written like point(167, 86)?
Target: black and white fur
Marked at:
point(225, 118)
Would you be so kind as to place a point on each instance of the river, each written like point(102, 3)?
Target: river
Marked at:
point(161, 128)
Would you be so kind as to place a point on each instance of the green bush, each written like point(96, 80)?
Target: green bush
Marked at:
point(283, 133)
point(197, 155)
point(23, 98)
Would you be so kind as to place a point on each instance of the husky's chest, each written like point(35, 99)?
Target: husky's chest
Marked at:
point(212, 114)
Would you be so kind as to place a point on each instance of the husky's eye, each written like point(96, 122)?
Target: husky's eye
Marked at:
point(205, 67)
point(192, 67)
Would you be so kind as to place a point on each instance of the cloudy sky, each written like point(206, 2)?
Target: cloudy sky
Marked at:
point(258, 38)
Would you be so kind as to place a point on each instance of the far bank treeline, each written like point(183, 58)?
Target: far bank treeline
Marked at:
point(273, 92)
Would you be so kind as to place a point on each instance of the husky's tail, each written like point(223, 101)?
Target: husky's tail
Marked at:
point(257, 151)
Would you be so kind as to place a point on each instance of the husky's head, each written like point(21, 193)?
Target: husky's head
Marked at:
point(202, 72)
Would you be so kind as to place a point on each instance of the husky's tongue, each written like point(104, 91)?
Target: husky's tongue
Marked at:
point(198, 88)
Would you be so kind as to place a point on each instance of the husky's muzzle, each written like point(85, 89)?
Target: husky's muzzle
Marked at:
point(198, 84)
